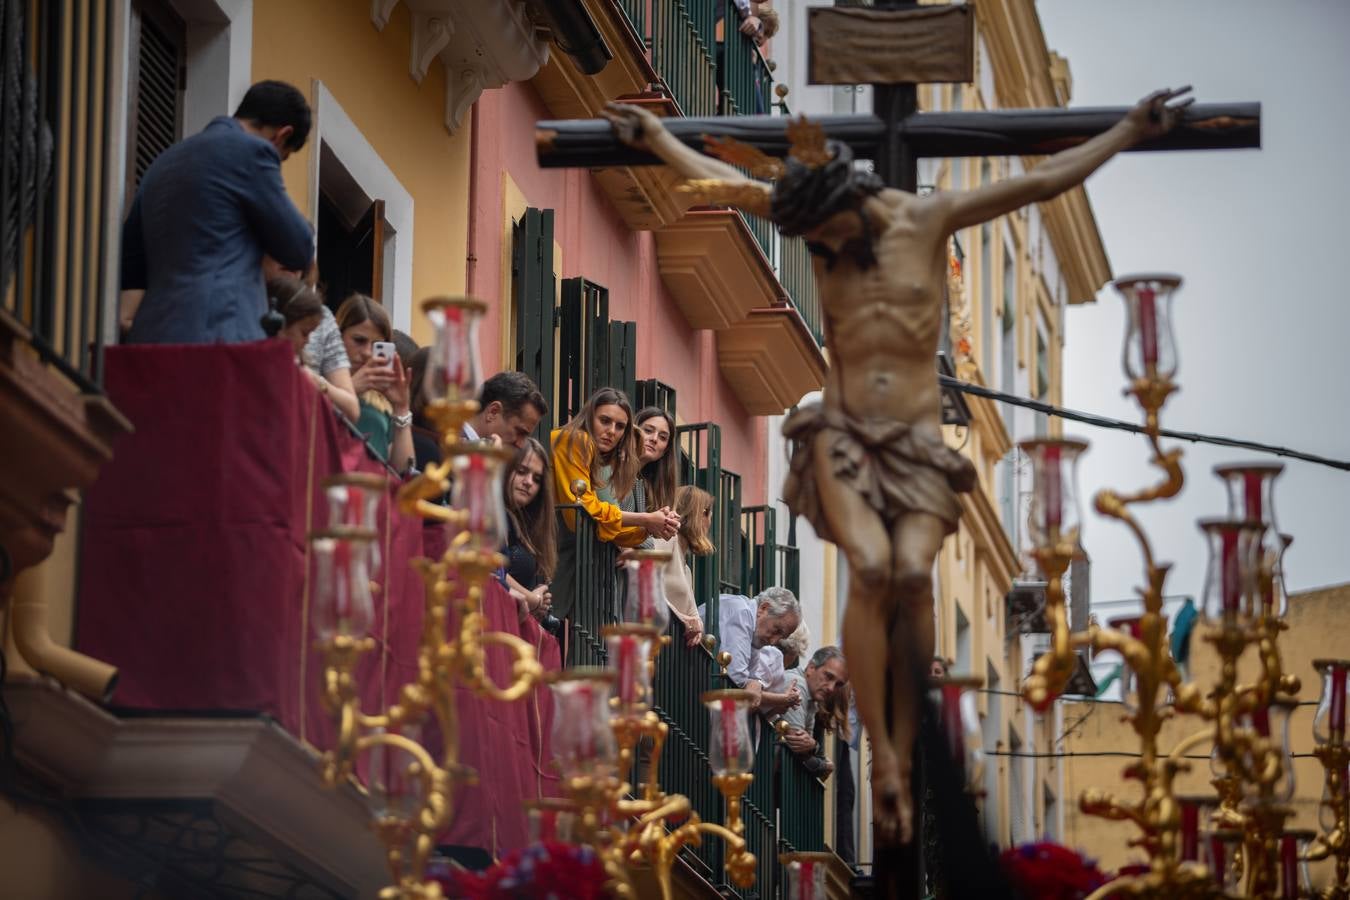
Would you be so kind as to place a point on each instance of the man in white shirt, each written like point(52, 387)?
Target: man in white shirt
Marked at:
point(745, 625)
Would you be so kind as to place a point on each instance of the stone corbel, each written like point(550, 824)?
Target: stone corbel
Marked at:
point(463, 85)
point(430, 35)
point(380, 11)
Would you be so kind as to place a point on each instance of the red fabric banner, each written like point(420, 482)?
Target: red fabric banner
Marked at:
point(194, 583)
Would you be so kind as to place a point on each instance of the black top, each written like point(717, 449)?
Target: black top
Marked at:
point(520, 562)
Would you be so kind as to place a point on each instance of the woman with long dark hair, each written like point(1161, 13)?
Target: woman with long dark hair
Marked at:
point(660, 457)
point(595, 465)
point(531, 546)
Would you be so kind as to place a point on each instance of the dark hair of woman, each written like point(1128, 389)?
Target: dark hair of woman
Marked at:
point(623, 459)
point(534, 523)
point(294, 299)
point(693, 505)
point(661, 476)
point(358, 308)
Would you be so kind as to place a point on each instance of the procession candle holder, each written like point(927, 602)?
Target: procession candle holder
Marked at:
point(454, 366)
point(645, 600)
point(1193, 810)
point(1331, 750)
point(806, 875)
point(551, 819)
point(1054, 527)
point(960, 716)
point(732, 757)
point(1149, 355)
point(1223, 856)
point(1129, 686)
point(1295, 879)
point(410, 791)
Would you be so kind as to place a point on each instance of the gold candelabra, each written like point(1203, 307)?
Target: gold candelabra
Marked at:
point(410, 787)
point(1334, 755)
point(604, 723)
point(1243, 608)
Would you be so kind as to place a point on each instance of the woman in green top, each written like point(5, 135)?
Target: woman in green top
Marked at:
point(383, 388)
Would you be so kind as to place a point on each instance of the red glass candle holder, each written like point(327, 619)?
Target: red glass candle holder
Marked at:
point(629, 651)
point(551, 819)
point(394, 784)
point(1192, 814)
point(645, 602)
point(1056, 519)
point(478, 469)
point(730, 749)
point(1329, 721)
point(805, 880)
point(454, 366)
point(1150, 350)
point(354, 502)
point(1222, 853)
point(958, 710)
point(1230, 579)
point(583, 742)
point(1251, 497)
point(343, 605)
point(1271, 724)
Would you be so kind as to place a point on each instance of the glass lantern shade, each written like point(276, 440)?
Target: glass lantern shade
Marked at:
point(393, 783)
point(454, 369)
point(342, 600)
point(1251, 497)
point(1329, 721)
point(645, 600)
point(1192, 814)
point(805, 880)
point(1055, 519)
point(629, 652)
point(1294, 845)
point(551, 819)
point(583, 742)
point(354, 502)
point(1222, 856)
point(478, 470)
point(730, 748)
point(960, 715)
point(1150, 350)
point(1230, 580)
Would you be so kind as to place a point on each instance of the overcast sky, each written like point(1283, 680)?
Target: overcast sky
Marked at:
point(1262, 241)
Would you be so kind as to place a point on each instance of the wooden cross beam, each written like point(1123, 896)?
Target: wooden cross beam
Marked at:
point(894, 47)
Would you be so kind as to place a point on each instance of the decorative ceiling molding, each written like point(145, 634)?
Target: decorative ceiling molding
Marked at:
point(481, 44)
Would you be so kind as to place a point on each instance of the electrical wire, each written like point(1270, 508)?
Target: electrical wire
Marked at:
point(1097, 421)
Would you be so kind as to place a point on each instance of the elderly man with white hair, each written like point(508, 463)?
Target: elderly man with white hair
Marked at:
point(746, 624)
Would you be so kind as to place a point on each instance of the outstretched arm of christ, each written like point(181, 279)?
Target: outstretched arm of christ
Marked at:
point(1150, 118)
point(639, 128)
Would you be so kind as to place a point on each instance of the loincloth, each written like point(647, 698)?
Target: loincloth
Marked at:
point(896, 469)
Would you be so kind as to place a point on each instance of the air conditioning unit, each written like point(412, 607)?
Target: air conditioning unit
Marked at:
point(1025, 606)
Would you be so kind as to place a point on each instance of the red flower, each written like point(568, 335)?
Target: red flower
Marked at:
point(1048, 871)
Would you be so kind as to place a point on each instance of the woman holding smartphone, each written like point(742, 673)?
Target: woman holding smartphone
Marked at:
point(379, 378)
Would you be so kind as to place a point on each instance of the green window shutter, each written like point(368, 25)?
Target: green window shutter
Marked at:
point(534, 288)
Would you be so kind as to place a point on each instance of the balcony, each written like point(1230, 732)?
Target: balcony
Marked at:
point(681, 59)
point(198, 590)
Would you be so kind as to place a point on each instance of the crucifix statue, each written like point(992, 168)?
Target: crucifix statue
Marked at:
point(870, 469)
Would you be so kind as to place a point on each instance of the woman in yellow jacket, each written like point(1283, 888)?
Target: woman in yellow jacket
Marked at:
point(595, 464)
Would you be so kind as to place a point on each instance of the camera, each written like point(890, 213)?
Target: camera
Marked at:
point(552, 624)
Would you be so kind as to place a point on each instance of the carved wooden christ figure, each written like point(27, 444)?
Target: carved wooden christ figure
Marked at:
point(870, 470)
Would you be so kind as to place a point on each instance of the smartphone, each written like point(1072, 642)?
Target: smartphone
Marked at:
point(382, 353)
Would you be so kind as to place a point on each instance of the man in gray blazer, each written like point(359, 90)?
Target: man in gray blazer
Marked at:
point(207, 210)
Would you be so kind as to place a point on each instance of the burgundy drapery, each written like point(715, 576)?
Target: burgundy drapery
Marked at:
point(193, 574)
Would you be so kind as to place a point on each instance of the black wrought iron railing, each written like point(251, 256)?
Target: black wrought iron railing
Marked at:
point(760, 816)
point(759, 524)
point(701, 466)
point(683, 39)
point(682, 675)
point(801, 805)
point(794, 271)
point(731, 565)
point(56, 179)
point(593, 586)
